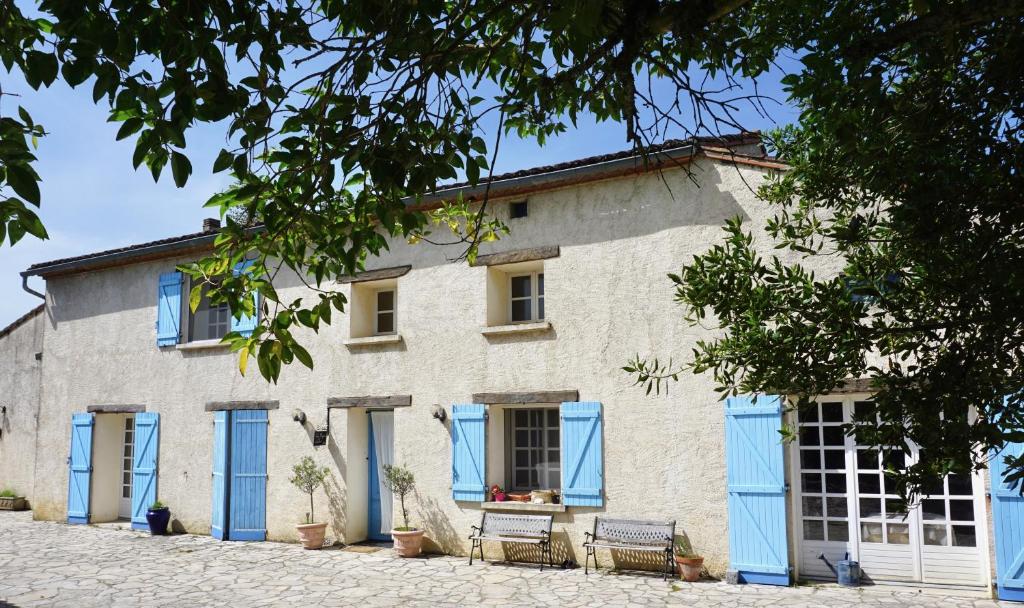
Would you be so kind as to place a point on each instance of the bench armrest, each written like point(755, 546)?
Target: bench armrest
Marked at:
point(587, 537)
point(475, 530)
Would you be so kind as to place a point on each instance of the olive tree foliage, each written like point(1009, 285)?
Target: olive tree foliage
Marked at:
point(340, 114)
point(905, 171)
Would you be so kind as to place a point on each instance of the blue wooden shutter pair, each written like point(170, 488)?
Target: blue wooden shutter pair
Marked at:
point(582, 459)
point(168, 309)
point(239, 509)
point(80, 468)
point(1008, 522)
point(469, 452)
point(246, 324)
point(144, 466)
point(758, 545)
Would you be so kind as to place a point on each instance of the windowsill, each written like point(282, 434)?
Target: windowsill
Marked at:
point(528, 507)
point(203, 345)
point(516, 328)
point(373, 340)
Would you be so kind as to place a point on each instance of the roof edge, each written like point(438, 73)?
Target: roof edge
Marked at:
point(25, 318)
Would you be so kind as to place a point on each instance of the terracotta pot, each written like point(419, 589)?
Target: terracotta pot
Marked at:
point(408, 543)
point(312, 535)
point(12, 503)
point(690, 568)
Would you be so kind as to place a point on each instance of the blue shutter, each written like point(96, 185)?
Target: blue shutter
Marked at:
point(80, 468)
point(218, 524)
point(1008, 520)
point(582, 461)
point(247, 519)
point(144, 466)
point(246, 324)
point(168, 309)
point(469, 452)
point(758, 546)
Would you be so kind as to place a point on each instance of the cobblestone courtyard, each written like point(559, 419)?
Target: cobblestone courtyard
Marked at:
point(50, 564)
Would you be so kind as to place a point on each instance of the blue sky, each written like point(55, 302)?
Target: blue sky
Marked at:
point(94, 200)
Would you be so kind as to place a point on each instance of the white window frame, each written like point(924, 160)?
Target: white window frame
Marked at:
point(510, 445)
point(534, 296)
point(377, 311)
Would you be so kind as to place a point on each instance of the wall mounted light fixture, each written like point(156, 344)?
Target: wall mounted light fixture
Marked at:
point(439, 413)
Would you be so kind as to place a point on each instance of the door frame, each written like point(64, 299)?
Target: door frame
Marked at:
point(792, 454)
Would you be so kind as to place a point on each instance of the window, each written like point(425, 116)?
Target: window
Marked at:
point(210, 321)
point(518, 210)
point(533, 454)
point(385, 315)
point(526, 302)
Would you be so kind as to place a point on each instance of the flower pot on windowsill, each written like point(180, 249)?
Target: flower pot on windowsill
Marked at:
point(12, 503)
point(312, 535)
point(408, 541)
point(158, 519)
point(689, 567)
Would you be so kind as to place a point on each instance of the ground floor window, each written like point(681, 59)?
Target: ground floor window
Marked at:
point(533, 456)
point(847, 503)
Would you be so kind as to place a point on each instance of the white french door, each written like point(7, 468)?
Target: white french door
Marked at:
point(846, 504)
point(124, 505)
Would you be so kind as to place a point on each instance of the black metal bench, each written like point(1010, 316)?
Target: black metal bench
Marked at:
point(631, 535)
point(511, 528)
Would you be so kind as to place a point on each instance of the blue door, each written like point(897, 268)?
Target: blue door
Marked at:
point(373, 523)
point(80, 468)
point(755, 476)
point(219, 506)
point(247, 498)
point(1008, 520)
point(144, 466)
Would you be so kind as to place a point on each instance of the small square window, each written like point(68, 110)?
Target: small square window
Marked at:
point(518, 209)
point(526, 297)
point(210, 321)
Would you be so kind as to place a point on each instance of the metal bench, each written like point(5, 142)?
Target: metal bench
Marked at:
point(631, 535)
point(509, 528)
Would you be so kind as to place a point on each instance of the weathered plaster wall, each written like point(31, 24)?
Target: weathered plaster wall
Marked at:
point(607, 298)
point(19, 394)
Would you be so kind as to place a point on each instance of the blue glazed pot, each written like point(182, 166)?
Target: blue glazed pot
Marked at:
point(158, 519)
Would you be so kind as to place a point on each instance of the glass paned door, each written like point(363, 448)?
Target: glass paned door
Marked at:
point(124, 505)
point(846, 502)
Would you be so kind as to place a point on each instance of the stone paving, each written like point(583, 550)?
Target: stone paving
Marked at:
point(51, 564)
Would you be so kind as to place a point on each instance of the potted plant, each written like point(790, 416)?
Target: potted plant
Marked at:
point(689, 563)
point(408, 540)
point(157, 517)
point(10, 501)
point(497, 493)
point(308, 477)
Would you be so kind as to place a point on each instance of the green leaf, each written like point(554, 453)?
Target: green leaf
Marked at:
point(23, 181)
point(224, 160)
point(181, 168)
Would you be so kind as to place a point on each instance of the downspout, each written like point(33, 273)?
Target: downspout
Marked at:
point(24, 285)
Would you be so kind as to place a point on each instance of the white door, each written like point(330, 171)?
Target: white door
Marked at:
point(124, 505)
point(845, 504)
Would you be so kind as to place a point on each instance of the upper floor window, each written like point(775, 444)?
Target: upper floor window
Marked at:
point(385, 315)
point(526, 297)
point(209, 322)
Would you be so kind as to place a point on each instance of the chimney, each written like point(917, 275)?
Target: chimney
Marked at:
point(211, 224)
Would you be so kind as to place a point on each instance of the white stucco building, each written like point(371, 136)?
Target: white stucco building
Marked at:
point(459, 372)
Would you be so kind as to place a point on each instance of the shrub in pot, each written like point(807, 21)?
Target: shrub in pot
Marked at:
point(408, 540)
point(157, 517)
point(689, 564)
point(10, 501)
point(307, 477)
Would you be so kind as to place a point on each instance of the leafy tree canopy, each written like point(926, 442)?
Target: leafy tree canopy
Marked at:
point(906, 165)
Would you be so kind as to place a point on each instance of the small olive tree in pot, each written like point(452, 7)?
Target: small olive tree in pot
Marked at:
point(408, 540)
point(308, 477)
